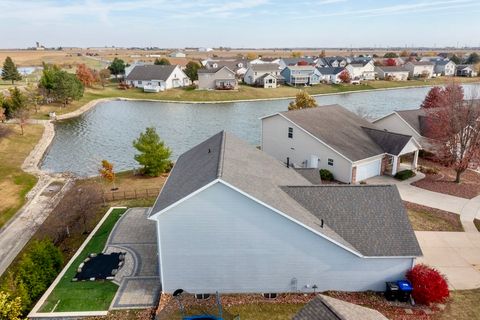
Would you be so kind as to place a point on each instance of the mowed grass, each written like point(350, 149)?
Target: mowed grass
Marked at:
point(243, 93)
point(14, 183)
point(463, 306)
point(430, 219)
point(85, 295)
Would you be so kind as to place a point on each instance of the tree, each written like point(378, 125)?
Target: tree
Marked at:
point(390, 55)
point(33, 96)
point(104, 76)
point(456, 59)
point(47, 81)
point(454, 130)
point(3, 117)
point(117, 67)
point(345, 76)
point(251, 56)
point(162, 62)
point(473, 58)
point(85, 75)
point(67, 87)
point(429, 285)
point(404, 53)
point(191, 70)
point(433, 99)
point(302, 101)
point(296, 54)
point(322, 54)
point(10, 71)
point(14, 102)
point(107, 173)
point(22, 115)
point(154, 155)
point(10, 307)
point(391, 62)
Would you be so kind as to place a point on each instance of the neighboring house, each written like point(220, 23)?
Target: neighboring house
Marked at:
point(158, 77)
point(335, 61)
point(286, 62)
point(361, 70)
point(265, 75)
point(445, 67)
point(466, 70)
point(177, 54)
point(129, 68)
point(392, 73)
point(409, 122)
point(239, 66)
point(327, 308)
point(234, 220)
point(333, 138)
point(330, 74)
point(205, 49)
point(301, 75)
point(420, 69)
point(221, 78)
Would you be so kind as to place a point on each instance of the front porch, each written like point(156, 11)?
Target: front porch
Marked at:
point(406, 161)
point(225, 84)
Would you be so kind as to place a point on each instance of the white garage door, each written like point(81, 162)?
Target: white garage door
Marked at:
point(368, 170)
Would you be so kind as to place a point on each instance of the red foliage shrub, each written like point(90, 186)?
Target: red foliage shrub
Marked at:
point(391, 62)
point(345, 76)
point(429, 285)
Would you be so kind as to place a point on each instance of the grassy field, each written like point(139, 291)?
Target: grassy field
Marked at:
point(243, 93)
point(85, 295)
point(15, 183)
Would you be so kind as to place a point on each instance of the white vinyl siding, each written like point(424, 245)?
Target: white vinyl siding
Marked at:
point(221, 240)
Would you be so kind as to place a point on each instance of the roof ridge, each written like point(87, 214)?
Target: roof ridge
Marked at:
point(221, 155)
point(386, 131)
point(338, 186)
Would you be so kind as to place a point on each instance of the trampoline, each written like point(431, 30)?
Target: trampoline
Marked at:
point(100, 266)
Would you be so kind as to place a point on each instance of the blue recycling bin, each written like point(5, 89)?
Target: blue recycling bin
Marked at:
point(404, 290)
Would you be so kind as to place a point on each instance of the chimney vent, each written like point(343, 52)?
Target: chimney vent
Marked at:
point(209, 150)
point(321, 223)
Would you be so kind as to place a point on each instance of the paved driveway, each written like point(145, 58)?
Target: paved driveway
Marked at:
point(138, 279)
point(456, 254)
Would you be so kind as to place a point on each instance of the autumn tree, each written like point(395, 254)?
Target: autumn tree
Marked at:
point(117, 67)
point(296, 54)
point(345, 76)
point(433, 98)
point(162, 62)
point(104, 76)
point(154, 156)
point(85, 75)
point(390, 62)
point(390, 55)
point(34, 98)
point(10, 307)
point(404, 53)
point(302, 101)
point(251, 56)
point(10, 71)
point(322, 54)
point(454, 129)
point(107, 173)
point(191, 70)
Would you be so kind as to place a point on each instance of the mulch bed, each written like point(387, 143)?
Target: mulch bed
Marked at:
point(374, 300)
point(444, 220)
point(444, 181)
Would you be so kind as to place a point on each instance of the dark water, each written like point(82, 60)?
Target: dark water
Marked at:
point(107, 131)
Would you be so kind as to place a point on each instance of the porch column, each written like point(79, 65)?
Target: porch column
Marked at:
point(415, 160)
point(394, 165)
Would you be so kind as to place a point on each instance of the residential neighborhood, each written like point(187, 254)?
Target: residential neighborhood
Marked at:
point(203, 160)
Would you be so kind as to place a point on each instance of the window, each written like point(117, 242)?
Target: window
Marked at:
point(202, 296)
point(330, 162)
point(290, 132)
point(139, 82)
point(270, 295)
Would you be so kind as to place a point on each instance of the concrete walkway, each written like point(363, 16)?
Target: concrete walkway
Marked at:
point(40, 201)
point(455, 254)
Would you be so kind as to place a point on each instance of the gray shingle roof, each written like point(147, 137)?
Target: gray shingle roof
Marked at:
point(327, 308)
point(214, 70)
point(339, 128)
point(422, 63)
point(391, 142)
point(393, 68)
point(254, 172)
point(372, 218)
point(412, 117)
point(295, 61)
point(151, 72)
point(330, 70)
point(265, 67)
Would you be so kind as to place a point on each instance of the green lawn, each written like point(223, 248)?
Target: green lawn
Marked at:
point(85, 295)
point(243, 93)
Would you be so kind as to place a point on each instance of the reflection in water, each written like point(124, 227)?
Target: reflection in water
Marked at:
point(107, 131)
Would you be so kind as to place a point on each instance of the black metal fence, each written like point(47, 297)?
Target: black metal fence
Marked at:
point(131, 194)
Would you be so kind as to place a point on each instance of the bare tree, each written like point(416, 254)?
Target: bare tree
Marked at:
point(22, 115)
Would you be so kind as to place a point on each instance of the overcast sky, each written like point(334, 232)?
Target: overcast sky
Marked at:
point(239, 23)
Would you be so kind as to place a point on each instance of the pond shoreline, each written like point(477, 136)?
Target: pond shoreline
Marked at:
point(89, 105)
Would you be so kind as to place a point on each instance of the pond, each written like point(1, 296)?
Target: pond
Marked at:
point(108, 130)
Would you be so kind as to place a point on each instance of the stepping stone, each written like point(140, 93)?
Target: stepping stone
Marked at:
point(427, 311)
point(441, 306)
point(408, 311)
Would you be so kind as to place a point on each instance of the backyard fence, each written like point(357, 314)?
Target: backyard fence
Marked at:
point(131, 194)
